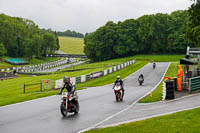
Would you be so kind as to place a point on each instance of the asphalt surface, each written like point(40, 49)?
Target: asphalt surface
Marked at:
point(96, 104)
point(144, 111)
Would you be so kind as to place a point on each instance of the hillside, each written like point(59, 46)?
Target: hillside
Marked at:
point(71, 45)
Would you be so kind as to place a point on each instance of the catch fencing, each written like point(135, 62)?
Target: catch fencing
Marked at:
point(194, 84)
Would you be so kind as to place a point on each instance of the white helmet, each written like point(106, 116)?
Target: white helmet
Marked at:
point(118, 77)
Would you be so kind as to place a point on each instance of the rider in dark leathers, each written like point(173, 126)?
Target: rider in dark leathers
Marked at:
point(121, 83)
point(68, 85)
point(154, 65)
point(141, 77)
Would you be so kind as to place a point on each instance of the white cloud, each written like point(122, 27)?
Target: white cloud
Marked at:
point(86, 15)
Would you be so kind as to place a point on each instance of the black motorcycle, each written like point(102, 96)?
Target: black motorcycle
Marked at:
point(154, 65)
point(69, 103)
point(140, 80)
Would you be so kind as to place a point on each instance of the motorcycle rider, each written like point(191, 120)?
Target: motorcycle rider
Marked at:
point(68, 85)
point(141, 77)
point(121, 83)
point(154, 65)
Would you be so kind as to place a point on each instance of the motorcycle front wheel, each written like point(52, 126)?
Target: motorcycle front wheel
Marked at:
point(63, 109)
point(77, 108)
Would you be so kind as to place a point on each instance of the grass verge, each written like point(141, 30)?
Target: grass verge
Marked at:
point(181, 122)
point(157, 94)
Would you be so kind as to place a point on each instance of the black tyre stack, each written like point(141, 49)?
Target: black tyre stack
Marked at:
point(170, 87)
point(175, 83)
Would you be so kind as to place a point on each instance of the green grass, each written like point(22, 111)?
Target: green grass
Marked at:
point(71, 45)
point(157, 94)
point(159, 58)
point(181, 122)
point(11, 91)
point(33, 61)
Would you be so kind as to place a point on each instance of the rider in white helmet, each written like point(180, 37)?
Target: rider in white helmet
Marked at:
point(121, 83)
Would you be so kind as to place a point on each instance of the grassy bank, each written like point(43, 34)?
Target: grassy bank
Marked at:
point(181, 122)
point(157, 94)
point(11, 91)
point(71, 45)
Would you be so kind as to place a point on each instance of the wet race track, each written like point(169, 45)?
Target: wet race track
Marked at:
point(97, 104)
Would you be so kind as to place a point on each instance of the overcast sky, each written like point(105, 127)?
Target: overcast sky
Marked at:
point(86, 15)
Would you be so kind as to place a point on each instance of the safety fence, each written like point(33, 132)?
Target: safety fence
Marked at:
point(194, 84)
point(83, 78)
point(44, 85)
point(37, 67)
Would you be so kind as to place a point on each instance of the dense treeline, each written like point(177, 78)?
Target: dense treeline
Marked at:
point(21, 37)
point(149, 34)
point(70, 33)
point(67, 33)
point(194, 22)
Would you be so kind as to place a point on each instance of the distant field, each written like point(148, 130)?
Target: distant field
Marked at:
point(71, 45)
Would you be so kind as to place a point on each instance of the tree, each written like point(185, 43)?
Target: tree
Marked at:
point(22, 37)
point(150, 34)
point(49, 43)
point(194, 23)
point(2, 50)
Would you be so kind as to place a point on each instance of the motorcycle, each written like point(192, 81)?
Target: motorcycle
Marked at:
point(69, 103)
point(154, 65)
point(118, 92)
point(140, 80)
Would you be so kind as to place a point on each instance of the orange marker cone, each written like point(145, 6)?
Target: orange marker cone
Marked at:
point(151, 94)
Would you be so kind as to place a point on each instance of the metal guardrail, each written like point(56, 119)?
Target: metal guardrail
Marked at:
point(65, 55)
point(194, 84)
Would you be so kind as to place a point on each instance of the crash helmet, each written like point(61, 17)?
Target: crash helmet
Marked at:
point(118, 77)
point(66, 79)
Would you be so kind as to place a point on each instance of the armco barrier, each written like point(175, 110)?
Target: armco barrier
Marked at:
point(194, 84)
point(83, 78)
